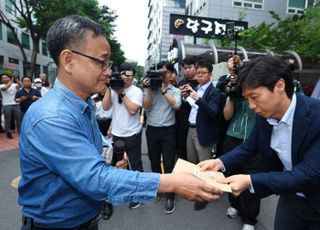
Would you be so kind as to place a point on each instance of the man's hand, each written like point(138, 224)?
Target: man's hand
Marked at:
point(146, 82)
point(238, 183)
point(191, 92)
point(123, 163)
point(189, 187)
point(212, 165)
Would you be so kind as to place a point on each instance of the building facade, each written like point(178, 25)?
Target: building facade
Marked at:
point(159, 38)
point(253, 11)
point(11, 61)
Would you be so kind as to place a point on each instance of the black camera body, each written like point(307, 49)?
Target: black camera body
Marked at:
point(116, 81)
point(232, 87)
point(184, 89)
point(155, 77)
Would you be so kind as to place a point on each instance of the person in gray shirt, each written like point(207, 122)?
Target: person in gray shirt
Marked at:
point(160, 104)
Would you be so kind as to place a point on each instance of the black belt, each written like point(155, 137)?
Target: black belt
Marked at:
point(85, 226)
point(192, 126)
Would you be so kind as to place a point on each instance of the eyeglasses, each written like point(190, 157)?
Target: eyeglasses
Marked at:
point(202, 73)
point(104, 64)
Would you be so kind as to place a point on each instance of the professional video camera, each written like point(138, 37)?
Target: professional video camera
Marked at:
point(155, 77)
point(116, 81)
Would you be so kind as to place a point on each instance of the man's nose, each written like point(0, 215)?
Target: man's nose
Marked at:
point(252, 105)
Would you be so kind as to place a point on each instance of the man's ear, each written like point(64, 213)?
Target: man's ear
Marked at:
point(66, 60)
point(280, 85)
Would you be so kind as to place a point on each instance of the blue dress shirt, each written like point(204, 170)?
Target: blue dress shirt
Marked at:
point(64, 177)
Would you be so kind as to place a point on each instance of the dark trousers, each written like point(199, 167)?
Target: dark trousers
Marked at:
point(161, 140)
point(183, 126)
point(133, 149)
point(12, 111)
point(247, 203)
point(294, 213)
point(104, 125)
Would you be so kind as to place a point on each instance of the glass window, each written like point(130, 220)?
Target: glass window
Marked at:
point(254, 4)
point(297, 4)
point(45, 70)
point(14, 61)
point(10, 36)
point(44, 49)
point(254, 1)
point(38, 70)
point(1, 62)
point(25, 40)
point(10, 7)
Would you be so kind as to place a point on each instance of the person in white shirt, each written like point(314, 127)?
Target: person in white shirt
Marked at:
point(37, 84)
point(126, 103)
point(11, 109)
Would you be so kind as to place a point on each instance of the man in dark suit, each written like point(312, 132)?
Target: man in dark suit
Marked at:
point(287, 135)
point(205, 102)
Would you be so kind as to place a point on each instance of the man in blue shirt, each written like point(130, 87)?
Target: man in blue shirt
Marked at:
point(65, 180)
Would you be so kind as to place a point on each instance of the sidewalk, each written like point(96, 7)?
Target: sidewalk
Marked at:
point(8, 144)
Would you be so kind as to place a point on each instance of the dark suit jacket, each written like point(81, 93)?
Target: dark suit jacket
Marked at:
point(208, 116)
point(305, 174)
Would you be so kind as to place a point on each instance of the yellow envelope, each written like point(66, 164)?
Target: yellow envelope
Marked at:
point(208, 176)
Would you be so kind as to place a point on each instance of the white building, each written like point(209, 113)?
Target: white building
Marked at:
point(11, 61)
point(159, 38)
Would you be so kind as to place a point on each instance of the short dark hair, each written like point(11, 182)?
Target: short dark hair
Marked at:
point(126, 66)
point(203, 63)
point(3, 74)
point(168, 65)
point(190, 60)
point(266, 71)
point(26, 77)
point(70, 32)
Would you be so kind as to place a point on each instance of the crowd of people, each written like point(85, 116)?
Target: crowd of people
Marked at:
point(252, 126)
point(16, 97)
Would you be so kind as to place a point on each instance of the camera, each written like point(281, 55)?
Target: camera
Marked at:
point(116, 81)
point(155, 77)
point(184, 90)
point(119, 147)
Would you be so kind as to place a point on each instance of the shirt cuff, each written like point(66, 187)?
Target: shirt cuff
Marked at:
point(251, 189)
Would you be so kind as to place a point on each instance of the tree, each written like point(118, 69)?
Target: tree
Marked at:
point(36, 16)
point(10, 26)
point(107, 19)
point(299, 33)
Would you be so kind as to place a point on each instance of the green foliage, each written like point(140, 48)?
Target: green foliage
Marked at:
point(139, 73)
point(298, 33)
point(36, 17)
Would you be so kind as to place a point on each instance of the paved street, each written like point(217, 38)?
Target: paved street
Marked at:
point(148, 216)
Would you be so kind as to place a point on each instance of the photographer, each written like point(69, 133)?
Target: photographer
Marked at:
point(160, 104)
point(241, 122)
point(126, 102)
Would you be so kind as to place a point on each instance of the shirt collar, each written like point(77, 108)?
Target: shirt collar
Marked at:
point(288, 116)
point(205, 86)
point(72, 97)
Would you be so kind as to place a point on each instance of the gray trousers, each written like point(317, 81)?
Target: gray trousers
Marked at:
point(195, 151)
point(10, 111)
